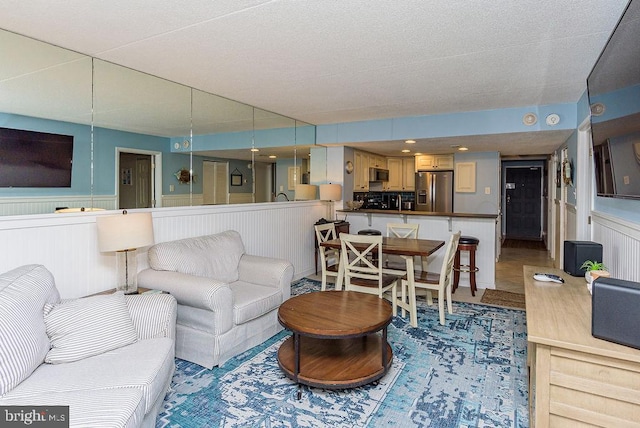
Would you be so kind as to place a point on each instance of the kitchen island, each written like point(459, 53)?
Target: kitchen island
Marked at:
point(439, 226)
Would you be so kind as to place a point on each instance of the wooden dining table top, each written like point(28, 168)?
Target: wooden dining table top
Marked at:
point(399, 246)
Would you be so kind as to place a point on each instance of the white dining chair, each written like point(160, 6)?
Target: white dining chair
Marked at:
point(362, 272)
point(396, 264)
point(432, 282)
point(329, 257)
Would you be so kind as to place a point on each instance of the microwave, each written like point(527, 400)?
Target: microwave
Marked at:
point(378, 174)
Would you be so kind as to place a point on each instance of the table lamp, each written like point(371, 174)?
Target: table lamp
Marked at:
point(124, 234)
point(305, 192)
point(332, 193)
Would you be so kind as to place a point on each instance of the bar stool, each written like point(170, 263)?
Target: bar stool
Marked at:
point(370, 232)
point(470, 244)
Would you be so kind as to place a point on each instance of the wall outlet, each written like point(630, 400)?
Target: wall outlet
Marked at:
point(626, 179)
point(487, 190)
point(282, 188)
point(172, 188)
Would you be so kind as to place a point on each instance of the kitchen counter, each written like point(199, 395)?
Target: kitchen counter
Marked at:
point(440, 226)
point(418, 213)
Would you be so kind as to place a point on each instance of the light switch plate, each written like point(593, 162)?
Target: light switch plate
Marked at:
point(487, 190)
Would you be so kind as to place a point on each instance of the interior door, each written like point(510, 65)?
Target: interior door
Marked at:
point(135, 188)
point(523, 210)
point(215, 183)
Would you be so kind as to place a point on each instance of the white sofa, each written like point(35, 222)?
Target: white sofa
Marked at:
point(227, 300)
point(110, 358)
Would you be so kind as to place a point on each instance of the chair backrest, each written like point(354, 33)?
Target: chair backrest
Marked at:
point(325, 232)
point(356, 257)
point(447, 265)
point(402, 230)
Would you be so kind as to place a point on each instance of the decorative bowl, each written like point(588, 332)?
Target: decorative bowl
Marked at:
point(354, 205)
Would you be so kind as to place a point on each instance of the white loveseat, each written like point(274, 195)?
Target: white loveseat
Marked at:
point(227, 300)
point(110, 358)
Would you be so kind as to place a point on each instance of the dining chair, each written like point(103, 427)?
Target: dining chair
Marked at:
point(364, 273)
point(329, 257)
point(396, 264)
point(433, 281)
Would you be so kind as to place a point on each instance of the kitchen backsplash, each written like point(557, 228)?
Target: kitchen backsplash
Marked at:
point(386, 200)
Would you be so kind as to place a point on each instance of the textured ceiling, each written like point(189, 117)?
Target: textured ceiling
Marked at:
point(341, 61)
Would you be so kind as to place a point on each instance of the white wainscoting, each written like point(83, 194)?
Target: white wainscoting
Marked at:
point(183, 200)
point(67, 243)
point(571, 225)
point(47, 205)
point(620, 245)
point(441, 228)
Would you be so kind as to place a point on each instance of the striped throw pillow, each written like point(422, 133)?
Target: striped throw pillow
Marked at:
point(82, 328)
point(23, 340)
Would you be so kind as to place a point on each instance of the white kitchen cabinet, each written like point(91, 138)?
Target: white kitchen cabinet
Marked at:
point(361, 172)
point(401, 174)
point(434, 162)
point(465, 177)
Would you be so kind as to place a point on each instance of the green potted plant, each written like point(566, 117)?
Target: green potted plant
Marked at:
point(593, 270)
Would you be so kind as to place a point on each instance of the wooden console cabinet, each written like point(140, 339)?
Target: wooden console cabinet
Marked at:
point(575, 379)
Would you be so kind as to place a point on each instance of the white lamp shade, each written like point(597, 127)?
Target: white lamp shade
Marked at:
point(305, 192)
point(124, 232)
point(330, 192)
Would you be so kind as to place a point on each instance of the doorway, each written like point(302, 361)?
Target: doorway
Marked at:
point(135, 181)
point(139, 178)
point(215, 183)
point(523, 202)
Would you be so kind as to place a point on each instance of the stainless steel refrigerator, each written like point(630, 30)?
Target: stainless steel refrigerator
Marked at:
point(434, 191)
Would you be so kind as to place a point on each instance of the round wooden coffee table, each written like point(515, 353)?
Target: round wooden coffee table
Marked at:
point(335, 342)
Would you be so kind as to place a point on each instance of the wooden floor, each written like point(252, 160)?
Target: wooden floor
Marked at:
point(509, 275)
point(513, 257)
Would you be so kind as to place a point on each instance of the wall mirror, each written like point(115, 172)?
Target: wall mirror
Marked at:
point(124, 122)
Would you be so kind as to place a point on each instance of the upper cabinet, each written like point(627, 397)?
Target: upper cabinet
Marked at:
point(434, 162)
point(377, 161)
point(361, 172)
point(401, 174)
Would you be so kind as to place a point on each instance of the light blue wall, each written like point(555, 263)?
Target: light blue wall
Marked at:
point(487, 176)
point(485, 122)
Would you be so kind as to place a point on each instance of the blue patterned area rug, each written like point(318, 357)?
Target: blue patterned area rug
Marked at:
point(471, 372)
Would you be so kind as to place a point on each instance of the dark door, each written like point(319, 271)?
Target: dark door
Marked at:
point(524, 199)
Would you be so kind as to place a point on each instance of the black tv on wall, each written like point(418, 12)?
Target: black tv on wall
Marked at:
point(35, 159)
point(614, 96)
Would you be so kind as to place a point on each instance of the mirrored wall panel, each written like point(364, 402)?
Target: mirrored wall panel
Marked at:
point(134, 140)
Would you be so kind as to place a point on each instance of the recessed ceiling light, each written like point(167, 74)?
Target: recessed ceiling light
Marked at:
point(272, 156)
point(255, 150)
point(418, 154)
point(410, 141)
point(406, 151)
point(463, 149)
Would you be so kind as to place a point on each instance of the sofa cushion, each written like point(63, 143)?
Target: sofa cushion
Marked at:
point(82, 328)
point(147, 365)
point(251, 301)
point(117, 407)
point(213, 256)
point(23, 339)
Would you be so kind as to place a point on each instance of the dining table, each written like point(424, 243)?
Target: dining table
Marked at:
point(407, 248)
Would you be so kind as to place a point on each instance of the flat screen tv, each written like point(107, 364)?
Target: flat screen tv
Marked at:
point(35, 159)
point(614, 96)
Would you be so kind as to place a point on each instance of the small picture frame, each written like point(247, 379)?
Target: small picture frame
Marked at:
point(236, 178)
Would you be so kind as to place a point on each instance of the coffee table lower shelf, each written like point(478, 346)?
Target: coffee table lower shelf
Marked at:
point(336, 363)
